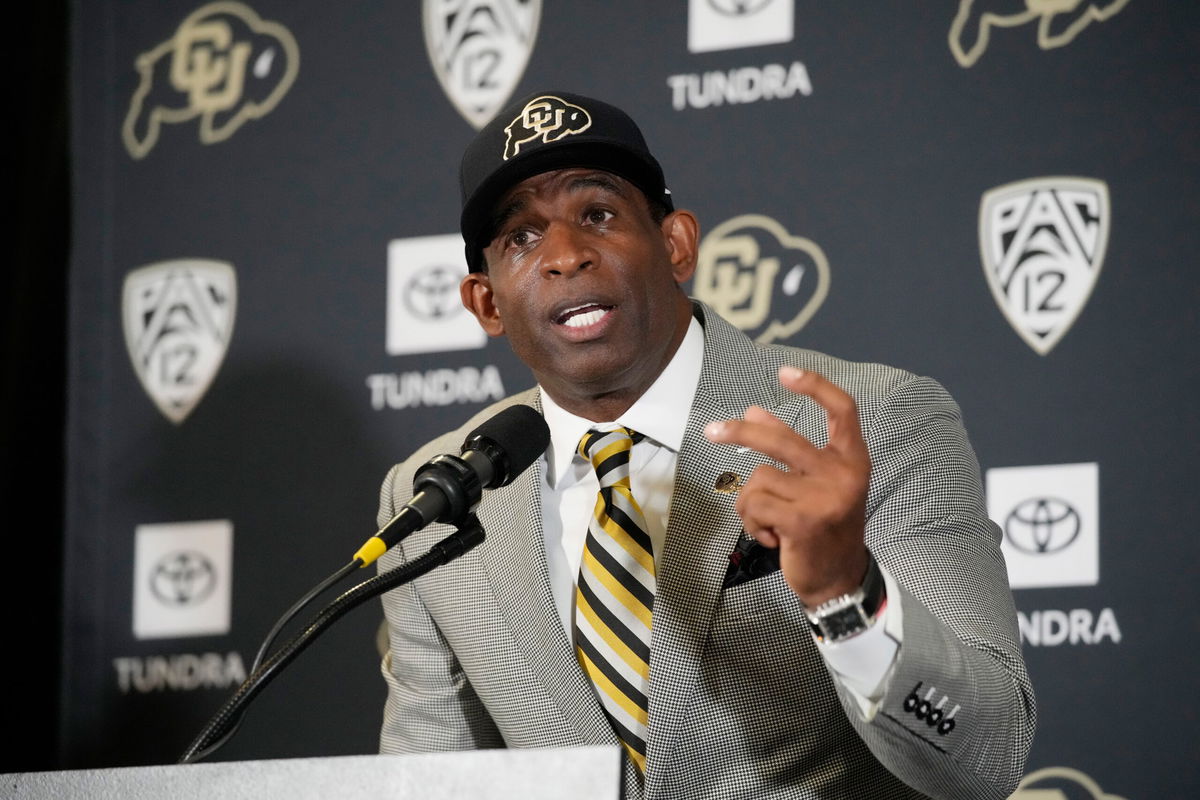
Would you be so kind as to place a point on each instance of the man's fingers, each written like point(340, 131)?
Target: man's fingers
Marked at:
point(840, 409)
point(785, 484)
point(761, 431)
point(770, 437)
point(763, 417)
point(762, 514)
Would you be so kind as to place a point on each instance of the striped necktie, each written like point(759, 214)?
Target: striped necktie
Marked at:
point(614, 597)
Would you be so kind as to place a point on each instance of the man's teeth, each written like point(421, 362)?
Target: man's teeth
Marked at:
point(585, 319)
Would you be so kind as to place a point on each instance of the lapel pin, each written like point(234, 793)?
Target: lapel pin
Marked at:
point(728, 483)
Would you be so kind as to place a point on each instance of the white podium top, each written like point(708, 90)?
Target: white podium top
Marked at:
point(587, 773)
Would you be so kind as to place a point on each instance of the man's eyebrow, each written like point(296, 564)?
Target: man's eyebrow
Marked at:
point(597, 180)
point(505, 213)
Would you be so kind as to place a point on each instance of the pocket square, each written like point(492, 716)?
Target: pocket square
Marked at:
point(750, 560)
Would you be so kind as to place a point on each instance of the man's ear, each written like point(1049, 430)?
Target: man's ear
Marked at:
point(476, 293)
point(681, 233)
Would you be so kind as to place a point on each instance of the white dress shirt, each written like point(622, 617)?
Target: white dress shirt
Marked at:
point(862, 663)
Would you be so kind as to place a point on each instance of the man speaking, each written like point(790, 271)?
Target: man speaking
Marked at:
point(764, 571)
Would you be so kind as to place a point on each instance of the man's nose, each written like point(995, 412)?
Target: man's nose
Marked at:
point(565, 250)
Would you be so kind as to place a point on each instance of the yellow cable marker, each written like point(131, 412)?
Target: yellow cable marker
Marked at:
point(372, 549)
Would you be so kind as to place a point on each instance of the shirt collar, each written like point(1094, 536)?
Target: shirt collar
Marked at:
point(661, 412)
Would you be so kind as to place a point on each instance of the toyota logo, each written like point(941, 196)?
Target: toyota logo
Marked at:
point(1042, 525)
point(183, 578)
point(432, 294)
point(738, 8)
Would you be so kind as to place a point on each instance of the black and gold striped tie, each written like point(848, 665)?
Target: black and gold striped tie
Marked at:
point(614, 598)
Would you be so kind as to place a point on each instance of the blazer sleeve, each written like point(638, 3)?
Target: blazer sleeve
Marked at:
point(958, 715)
point(430, 703)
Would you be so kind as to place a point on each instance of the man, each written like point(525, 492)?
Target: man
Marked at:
point(765, 571)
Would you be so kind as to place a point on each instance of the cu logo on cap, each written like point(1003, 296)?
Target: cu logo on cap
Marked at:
point(738, 8)
point(183, 578)
point(547, 117)
point(1042, 525)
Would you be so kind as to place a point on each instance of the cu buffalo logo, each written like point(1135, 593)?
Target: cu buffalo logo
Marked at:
point(760, 277)
point(1042, 525)
point(224, 65)
point(1058, 22)
point(546, 119)
point(1060, 783)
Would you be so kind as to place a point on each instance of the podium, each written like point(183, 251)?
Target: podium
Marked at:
point(586, 773)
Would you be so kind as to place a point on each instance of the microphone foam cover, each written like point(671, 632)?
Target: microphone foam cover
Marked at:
point(519, 432)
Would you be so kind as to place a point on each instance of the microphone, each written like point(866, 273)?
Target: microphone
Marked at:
point(447, 488)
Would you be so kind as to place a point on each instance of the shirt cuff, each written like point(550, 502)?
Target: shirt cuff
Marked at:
point(864, 663)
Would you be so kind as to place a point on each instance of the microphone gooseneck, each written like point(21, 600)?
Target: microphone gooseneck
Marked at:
point(447, 488)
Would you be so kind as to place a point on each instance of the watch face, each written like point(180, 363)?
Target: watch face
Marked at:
point(843, 622)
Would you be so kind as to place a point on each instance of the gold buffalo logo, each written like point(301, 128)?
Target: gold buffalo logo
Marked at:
point(547, 118)
point(1060, 783)
point(1058, 22)
point(225, 65)
point(761, 278)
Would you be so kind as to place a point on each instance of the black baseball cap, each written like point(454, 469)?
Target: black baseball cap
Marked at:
point(543, 132)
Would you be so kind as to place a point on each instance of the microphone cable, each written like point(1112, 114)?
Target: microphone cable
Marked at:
point(446, 489)
point(269, 639)
point(226, 721)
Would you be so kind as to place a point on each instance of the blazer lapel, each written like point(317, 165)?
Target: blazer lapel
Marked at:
point(703, 531)
point(514, 556)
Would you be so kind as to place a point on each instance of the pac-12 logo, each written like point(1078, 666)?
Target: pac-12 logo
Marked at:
point(1042, 242)
point(225, 65)
point(178, 319)
point(761, 278)
point(479, 50)
point(1058, 22)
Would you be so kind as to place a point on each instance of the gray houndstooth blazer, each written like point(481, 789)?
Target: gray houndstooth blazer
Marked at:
point(741, 702)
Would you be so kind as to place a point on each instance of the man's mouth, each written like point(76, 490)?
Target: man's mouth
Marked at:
point(582, 316)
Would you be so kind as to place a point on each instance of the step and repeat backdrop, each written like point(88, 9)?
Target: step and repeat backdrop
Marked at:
point(264, 312)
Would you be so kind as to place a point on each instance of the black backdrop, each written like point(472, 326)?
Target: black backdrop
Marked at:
point(33, 403)
point(302, 143)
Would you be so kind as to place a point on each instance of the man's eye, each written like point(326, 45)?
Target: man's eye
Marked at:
point(519, 238)
point(596, 216)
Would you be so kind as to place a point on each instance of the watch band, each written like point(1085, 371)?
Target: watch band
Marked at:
point(849, 614)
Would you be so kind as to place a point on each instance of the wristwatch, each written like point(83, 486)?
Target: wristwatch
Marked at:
point(844, 616)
